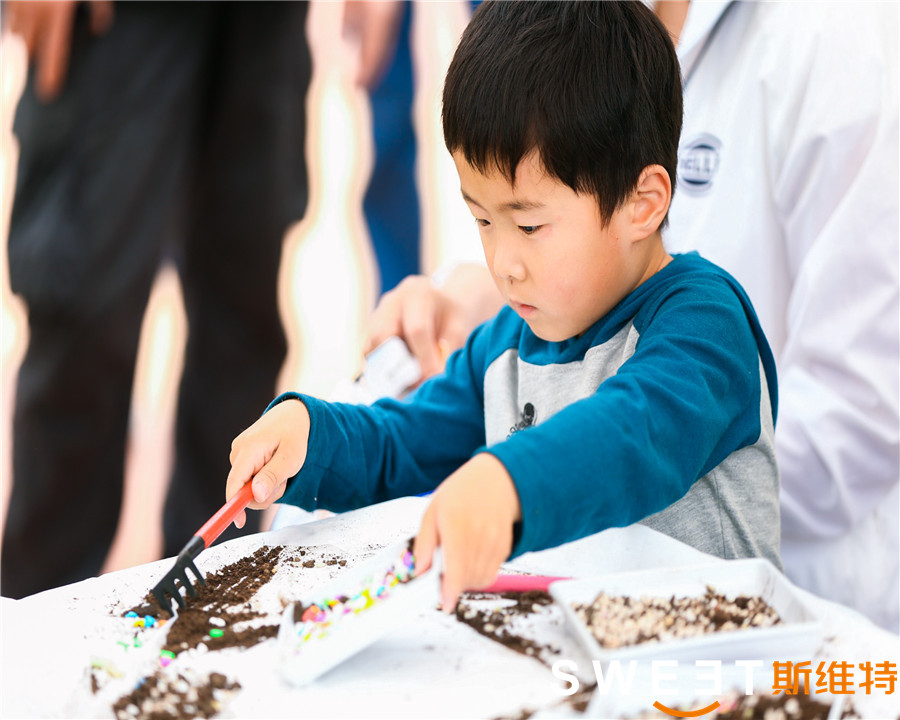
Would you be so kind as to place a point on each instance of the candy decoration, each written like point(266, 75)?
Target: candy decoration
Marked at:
point(216, 632)
point(311, 613)
point(317, 618)
point(165, 657)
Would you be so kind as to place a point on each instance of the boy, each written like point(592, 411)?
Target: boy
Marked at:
point(620, 385)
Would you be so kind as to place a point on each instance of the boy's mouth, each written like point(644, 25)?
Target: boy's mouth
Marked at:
point(524, 311)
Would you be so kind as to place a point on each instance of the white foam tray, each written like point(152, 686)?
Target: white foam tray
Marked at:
point(303, 662)
point(797, 637)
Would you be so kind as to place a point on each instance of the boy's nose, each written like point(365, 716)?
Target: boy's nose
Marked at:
point(506, 262)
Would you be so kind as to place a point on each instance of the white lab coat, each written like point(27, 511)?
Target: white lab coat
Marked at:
point(788, 178)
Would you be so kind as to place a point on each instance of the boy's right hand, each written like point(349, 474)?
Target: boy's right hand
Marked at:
point(268, 454)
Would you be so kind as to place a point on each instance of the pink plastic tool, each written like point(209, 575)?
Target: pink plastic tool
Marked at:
point(521, 583)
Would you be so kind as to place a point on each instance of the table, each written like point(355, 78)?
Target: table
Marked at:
point(435, 667)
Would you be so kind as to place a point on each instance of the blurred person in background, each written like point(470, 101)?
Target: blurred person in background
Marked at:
point(147, 131)
point(384, 30)
point(387, 73)
point(787, 178)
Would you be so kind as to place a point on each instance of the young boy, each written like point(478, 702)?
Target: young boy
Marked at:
point(620, 385)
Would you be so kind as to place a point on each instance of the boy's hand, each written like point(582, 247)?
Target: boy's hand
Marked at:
point(471, 517)
point(269, 453)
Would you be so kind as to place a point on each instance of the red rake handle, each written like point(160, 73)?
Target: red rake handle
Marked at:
point(216, 525)
point(521, 583)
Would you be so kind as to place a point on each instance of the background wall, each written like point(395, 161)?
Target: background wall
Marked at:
point(327, 284)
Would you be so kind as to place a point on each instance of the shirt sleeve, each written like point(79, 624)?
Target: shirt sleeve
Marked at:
point(686, 399)
point(359, 455)
point(833, 158)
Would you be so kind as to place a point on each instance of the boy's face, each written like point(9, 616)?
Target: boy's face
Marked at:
point(547, 250)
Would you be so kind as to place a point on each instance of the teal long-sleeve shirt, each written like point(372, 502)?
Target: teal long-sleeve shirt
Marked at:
point(662, 412)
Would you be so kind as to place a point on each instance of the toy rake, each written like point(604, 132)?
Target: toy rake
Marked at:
point(202, 539)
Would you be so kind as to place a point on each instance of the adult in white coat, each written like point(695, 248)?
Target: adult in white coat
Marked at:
point(788, 178)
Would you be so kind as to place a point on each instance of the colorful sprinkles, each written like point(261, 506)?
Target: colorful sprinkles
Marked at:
point(314, 621)
point(148, 621)
point(165, 657)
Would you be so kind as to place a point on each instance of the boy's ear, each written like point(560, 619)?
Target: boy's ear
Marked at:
point(650, 202)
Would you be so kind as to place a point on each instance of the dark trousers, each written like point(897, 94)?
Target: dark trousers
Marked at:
point(178, 134)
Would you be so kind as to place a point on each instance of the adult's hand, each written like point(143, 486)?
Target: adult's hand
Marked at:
point(46, 28)
point(435, 320)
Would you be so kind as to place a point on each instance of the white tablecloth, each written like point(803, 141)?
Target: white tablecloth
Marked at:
point(435, 667)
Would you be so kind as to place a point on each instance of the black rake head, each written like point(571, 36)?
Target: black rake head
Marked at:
point(178, 577)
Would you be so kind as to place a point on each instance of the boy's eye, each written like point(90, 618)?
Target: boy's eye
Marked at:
point(529, 229)
point(481, 222)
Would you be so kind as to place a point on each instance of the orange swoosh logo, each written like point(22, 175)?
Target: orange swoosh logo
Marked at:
point(686, 713)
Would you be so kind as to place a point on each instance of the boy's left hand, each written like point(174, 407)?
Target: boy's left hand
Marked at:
point(471, 517)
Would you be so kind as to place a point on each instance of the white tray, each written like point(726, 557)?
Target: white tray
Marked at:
point(302, 661)
point(797, 637)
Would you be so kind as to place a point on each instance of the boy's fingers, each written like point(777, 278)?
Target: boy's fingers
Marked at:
point(265, 482)
point(453, 578)
point(483, 576)
point(242, 470)
point(235, 482)
point(451, 584)
point(425, 542)
point(266, 479)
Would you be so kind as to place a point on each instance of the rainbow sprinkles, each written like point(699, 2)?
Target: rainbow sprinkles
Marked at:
point(316, 619)
point(359, 607)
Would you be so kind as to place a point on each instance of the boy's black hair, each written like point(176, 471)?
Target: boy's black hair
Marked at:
point(594, 87)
